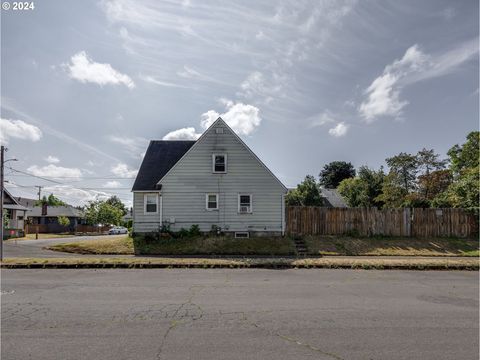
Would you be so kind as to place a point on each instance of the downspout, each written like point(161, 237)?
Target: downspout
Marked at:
point(283, 214)
point(161, 209)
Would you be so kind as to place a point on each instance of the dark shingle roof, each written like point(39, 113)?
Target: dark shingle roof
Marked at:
point(68, 211)
point(160, 157)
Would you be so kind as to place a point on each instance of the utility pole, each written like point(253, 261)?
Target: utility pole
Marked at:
point(2, 157)
point(39, 191)
point(3, 149)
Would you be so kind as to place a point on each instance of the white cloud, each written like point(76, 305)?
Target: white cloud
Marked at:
point(55, 171)
point(153, 80)
point(122, 170)
point(18, 129)
point(244, 119)
point(188, 133)
point(84, 69)
point(52, 159)
point(339, 130)
point(112, 184)
point(75, 196)
point(135, 146)
point(321, 119)
point(383, 95)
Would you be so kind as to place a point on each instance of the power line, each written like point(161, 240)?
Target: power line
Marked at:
point(45, 177)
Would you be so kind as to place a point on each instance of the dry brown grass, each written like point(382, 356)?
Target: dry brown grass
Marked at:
point(333, 245)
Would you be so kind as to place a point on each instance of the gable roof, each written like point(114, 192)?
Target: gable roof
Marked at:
point(68, 211)
point(160, 157)
point(10, 202)
point(223, 123)
point(332, 198)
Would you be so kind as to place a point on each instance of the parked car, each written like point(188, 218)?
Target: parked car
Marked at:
point(118, 230)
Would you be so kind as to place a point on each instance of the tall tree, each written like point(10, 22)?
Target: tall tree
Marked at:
point(433, 184)
point(364, 189)
point(393, 193)
point(404, 167)
point(51, 200)
point(465, 156)
point(307, 193)
point(428, 161)
point(333, 173)
point(116, 202)
point(100, 212)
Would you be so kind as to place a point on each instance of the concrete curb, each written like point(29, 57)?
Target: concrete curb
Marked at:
point(357, 266)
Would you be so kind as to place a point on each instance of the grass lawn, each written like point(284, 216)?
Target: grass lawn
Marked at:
point(43, 236)
point(246, 262)
point(187, 246)
point(391, 246)
point(121, 245)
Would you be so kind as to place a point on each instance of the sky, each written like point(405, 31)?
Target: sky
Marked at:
point(86, 84)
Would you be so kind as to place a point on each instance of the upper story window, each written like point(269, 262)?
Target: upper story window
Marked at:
point(219, 163)
point(151, 203)
point(244, 203)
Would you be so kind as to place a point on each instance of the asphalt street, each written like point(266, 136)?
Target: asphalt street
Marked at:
point(239, 314)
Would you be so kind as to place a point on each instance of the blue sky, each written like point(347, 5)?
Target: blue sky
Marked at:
point(86, 84)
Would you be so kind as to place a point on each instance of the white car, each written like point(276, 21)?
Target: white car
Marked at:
point(118, 230)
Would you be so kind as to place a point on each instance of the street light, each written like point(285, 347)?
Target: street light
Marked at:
point(2, 162)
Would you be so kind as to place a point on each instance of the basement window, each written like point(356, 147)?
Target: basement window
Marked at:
point(242, 234)
point(219, 163)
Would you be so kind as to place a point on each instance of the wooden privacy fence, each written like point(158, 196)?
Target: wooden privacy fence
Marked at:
point(309, 220)
point(56, 228)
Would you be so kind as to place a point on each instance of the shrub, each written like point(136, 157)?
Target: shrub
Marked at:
point(194, 230)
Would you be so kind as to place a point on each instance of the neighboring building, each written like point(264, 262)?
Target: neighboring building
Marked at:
point(48, 215)
point(332, 198)
point(15, 214)
point(216, 181)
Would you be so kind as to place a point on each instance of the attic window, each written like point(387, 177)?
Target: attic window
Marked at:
point(219, 130)
point(219, 163)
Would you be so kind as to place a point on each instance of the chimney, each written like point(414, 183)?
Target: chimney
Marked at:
point(44, 209)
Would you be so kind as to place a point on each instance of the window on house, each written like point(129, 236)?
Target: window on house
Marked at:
point(244, 203)
point(151, 203)
point(219, 163)
point(211, 201)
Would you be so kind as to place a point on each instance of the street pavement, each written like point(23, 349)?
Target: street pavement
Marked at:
point(239, 314)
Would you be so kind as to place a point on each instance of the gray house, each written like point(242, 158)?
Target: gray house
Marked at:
point(215, 182)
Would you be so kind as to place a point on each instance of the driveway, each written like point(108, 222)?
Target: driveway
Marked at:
point(239, 314)
point(35, 248)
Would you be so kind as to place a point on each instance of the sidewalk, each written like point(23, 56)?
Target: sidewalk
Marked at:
point(340, 262)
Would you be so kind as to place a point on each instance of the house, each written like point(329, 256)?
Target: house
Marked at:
point(332, 198)
point(216, 182)
point(48, 217)
point(15, 214)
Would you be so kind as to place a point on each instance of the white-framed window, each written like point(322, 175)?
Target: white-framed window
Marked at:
point(245, 203)
point(211, 201)
point(150, 202)
point(219, 163)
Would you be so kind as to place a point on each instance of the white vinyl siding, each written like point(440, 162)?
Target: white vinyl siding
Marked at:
point(185, 186)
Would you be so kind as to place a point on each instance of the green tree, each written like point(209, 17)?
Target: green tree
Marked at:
point(404, 168)
point(363, 190)
point(433, 184)
point(428, 161)
point(463, 192)
point(393, 193)
point(333, 173)
point(100, 212)
point(465, 156)
point(116, 202)
point(63, 220)
point(51, 200)
point(307, 193)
